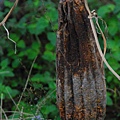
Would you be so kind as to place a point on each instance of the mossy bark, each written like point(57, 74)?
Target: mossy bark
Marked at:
point(81, 90)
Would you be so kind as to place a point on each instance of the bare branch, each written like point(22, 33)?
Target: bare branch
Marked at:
point(9, 13)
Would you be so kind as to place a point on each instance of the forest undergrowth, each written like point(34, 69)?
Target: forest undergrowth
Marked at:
point(27, 78)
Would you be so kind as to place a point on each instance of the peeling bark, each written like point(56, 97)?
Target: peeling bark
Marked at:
point(81, 90)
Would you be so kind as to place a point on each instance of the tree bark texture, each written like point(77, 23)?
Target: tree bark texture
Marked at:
point(81, 89)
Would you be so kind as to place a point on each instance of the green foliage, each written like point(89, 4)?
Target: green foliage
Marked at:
point(32, 25)
point(33, 30)
point(107, 9)
point(109, 100)
point(110, 13)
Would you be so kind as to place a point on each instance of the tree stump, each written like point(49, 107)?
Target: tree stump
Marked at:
point(81, 90)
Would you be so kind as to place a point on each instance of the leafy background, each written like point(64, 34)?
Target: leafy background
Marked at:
point(33, 26)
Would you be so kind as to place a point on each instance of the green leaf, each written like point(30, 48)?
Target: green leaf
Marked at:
point(8, 3)
point(14, 36)
point(52, 85)
point(49, 47)
point(39, 26)
point(118, 15)
point(109, 79)
point(115, 65)
point(31, 53)
point(11, 91)
point(46, 109)
point(49, 56)
point(109, 101)
point(45, 78)
point(37, 86)
point(113, 26)
point(4, 63)
point(9, 74)
point(21, 54)
point(51, 14)
point(15, 63)
point(2, 88)
point(32, 28)
point(113, 45)
point(42, 23)
point(55, 26)
point(1, 14)
point(3, 73)
point(117, 57)
point(117, 6)
point(102, 11)
point(52, 37)
point(21, 44)
point(36, 3)
point(36, 78)
point(37, 66)
point(35, 46)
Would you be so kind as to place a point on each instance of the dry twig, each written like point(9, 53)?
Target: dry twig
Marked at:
point(97, 42)
point(9, 13)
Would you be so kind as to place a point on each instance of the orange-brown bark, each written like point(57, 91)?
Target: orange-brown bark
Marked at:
point(81, 91)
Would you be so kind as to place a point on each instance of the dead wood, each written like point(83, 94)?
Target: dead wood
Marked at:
point(81, 90)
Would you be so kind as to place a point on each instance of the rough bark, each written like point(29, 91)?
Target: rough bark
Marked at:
point(81, 91)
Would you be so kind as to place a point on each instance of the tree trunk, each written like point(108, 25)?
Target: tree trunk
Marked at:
point(81, 90)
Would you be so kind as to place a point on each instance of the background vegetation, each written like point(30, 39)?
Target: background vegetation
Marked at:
point(33, 26)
